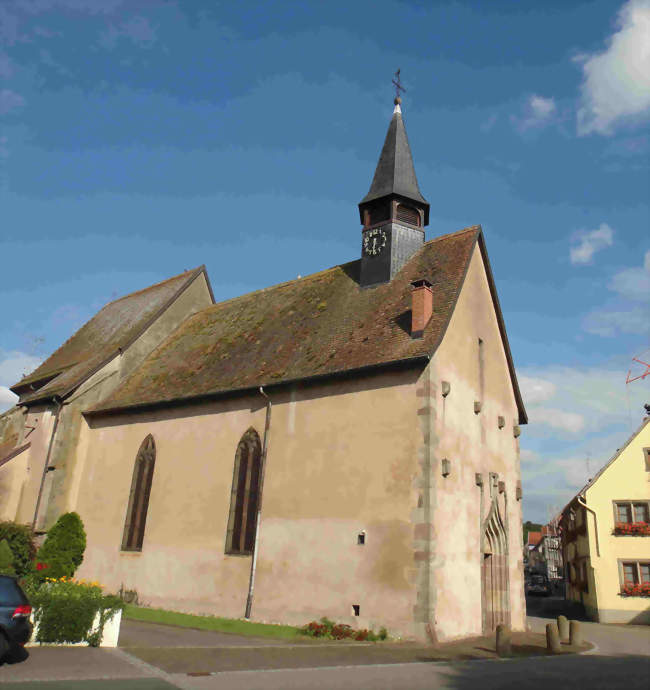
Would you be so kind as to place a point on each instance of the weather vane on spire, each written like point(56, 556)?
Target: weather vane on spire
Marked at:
point(398, 87)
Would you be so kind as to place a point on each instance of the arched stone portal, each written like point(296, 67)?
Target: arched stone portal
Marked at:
point(495, 597)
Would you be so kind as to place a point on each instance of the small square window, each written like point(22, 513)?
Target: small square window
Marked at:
point(361, 538)
point(356, 609)
point(640, 512)
point(623, 512)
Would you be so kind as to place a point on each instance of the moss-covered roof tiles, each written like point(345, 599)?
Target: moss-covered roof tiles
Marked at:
point(113, 327)
point(318, 325)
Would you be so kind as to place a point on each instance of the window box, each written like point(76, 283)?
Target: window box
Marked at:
point(636, 529)
point(639, 590)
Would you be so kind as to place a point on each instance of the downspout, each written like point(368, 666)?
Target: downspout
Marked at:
point(260, 494)
point(584, 505)
point(47, 460)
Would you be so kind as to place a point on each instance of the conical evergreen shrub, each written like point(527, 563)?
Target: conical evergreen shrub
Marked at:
point(64, 546)
point(6, 559)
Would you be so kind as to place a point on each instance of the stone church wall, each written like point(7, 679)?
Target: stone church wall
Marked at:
point(472, 442)
point(342, 460)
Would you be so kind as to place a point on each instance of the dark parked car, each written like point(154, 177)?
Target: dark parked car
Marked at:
point(539, 585)
point(15, 610)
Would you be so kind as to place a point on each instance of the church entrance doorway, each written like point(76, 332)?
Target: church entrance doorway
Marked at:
point(494, 572)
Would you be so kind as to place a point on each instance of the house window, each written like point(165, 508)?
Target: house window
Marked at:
point(635, 573)
point(244, 497)
point(646, 455)
point(136, 514)
point(629, 511)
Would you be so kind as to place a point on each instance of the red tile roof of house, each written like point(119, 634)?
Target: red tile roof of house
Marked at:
point(534, 538)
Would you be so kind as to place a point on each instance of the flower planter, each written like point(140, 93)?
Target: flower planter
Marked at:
point(109, 638)
point(632, 529)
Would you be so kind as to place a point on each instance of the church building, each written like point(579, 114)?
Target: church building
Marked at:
point(344, 444)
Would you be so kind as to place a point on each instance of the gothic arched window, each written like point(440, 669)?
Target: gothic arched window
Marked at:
point(136, 514)
point(244, 498)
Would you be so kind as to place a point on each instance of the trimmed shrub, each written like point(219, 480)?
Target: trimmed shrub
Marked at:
point(20, 539)
point(6, 559)
point(65, 609)
point(64, 546)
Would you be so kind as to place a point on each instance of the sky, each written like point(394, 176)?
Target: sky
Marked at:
point(141, 138)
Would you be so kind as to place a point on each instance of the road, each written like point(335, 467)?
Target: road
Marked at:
point(620, 660)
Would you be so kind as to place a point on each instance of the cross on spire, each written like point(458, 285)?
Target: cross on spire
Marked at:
point(398, 87)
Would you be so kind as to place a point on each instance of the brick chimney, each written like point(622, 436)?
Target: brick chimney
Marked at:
point(421, 306)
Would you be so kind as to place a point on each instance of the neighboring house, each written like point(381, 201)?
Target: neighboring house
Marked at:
point(532, 557)
point(606, 537)
point(373, 407)
point(545, 555)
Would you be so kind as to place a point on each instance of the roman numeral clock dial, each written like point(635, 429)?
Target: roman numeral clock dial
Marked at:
point(374, 241)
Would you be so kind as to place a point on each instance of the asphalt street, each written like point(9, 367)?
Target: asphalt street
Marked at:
point(157, 658)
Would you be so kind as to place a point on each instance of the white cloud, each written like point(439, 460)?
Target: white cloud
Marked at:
point(609, 323)
point(555, 418)
point(14, 365)
point(535, 390)
point(10, 100)
point(590, 242)
point(588, 399)
point(633, 283)
point(7, 399)
point(538, 111)
point(616, 82)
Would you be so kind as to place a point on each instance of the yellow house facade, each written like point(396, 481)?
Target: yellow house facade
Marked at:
point(606, 537)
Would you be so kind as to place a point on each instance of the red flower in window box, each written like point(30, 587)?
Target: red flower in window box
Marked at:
point(632, 528)
point(641, 589)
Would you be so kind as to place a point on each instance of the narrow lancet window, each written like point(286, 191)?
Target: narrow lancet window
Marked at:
point(136, 514)
point(244, 498)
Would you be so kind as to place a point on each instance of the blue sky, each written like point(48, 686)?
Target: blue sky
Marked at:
point(141, 138)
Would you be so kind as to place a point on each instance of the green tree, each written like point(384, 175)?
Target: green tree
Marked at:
point(6, 559)
point(20, 539)
point(64, 546)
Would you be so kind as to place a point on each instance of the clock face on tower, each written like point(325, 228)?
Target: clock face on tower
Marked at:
point(374, 241)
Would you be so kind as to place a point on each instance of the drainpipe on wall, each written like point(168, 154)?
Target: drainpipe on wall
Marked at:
point(260, 494)
point(584, 505)
point(47, 459)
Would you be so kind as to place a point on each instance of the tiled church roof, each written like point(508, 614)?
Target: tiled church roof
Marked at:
point(113, 327)
point(319, 325)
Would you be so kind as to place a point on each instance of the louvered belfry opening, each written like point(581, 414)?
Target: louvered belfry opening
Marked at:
point(136, 514)
point(244, 498)
point(407, 214)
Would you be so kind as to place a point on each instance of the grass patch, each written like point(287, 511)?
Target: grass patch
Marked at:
point(225, 625)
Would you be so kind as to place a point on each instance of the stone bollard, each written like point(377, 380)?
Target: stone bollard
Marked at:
point(563, 628)
point(575, 634)
point(552, 639)
point(504, 646)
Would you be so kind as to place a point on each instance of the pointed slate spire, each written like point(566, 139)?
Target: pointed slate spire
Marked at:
point(395, 174)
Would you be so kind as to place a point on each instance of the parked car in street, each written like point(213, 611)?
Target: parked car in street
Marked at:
point(15, 610)
point(539, 586)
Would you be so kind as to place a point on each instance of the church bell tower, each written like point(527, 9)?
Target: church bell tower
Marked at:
point(394, 212)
